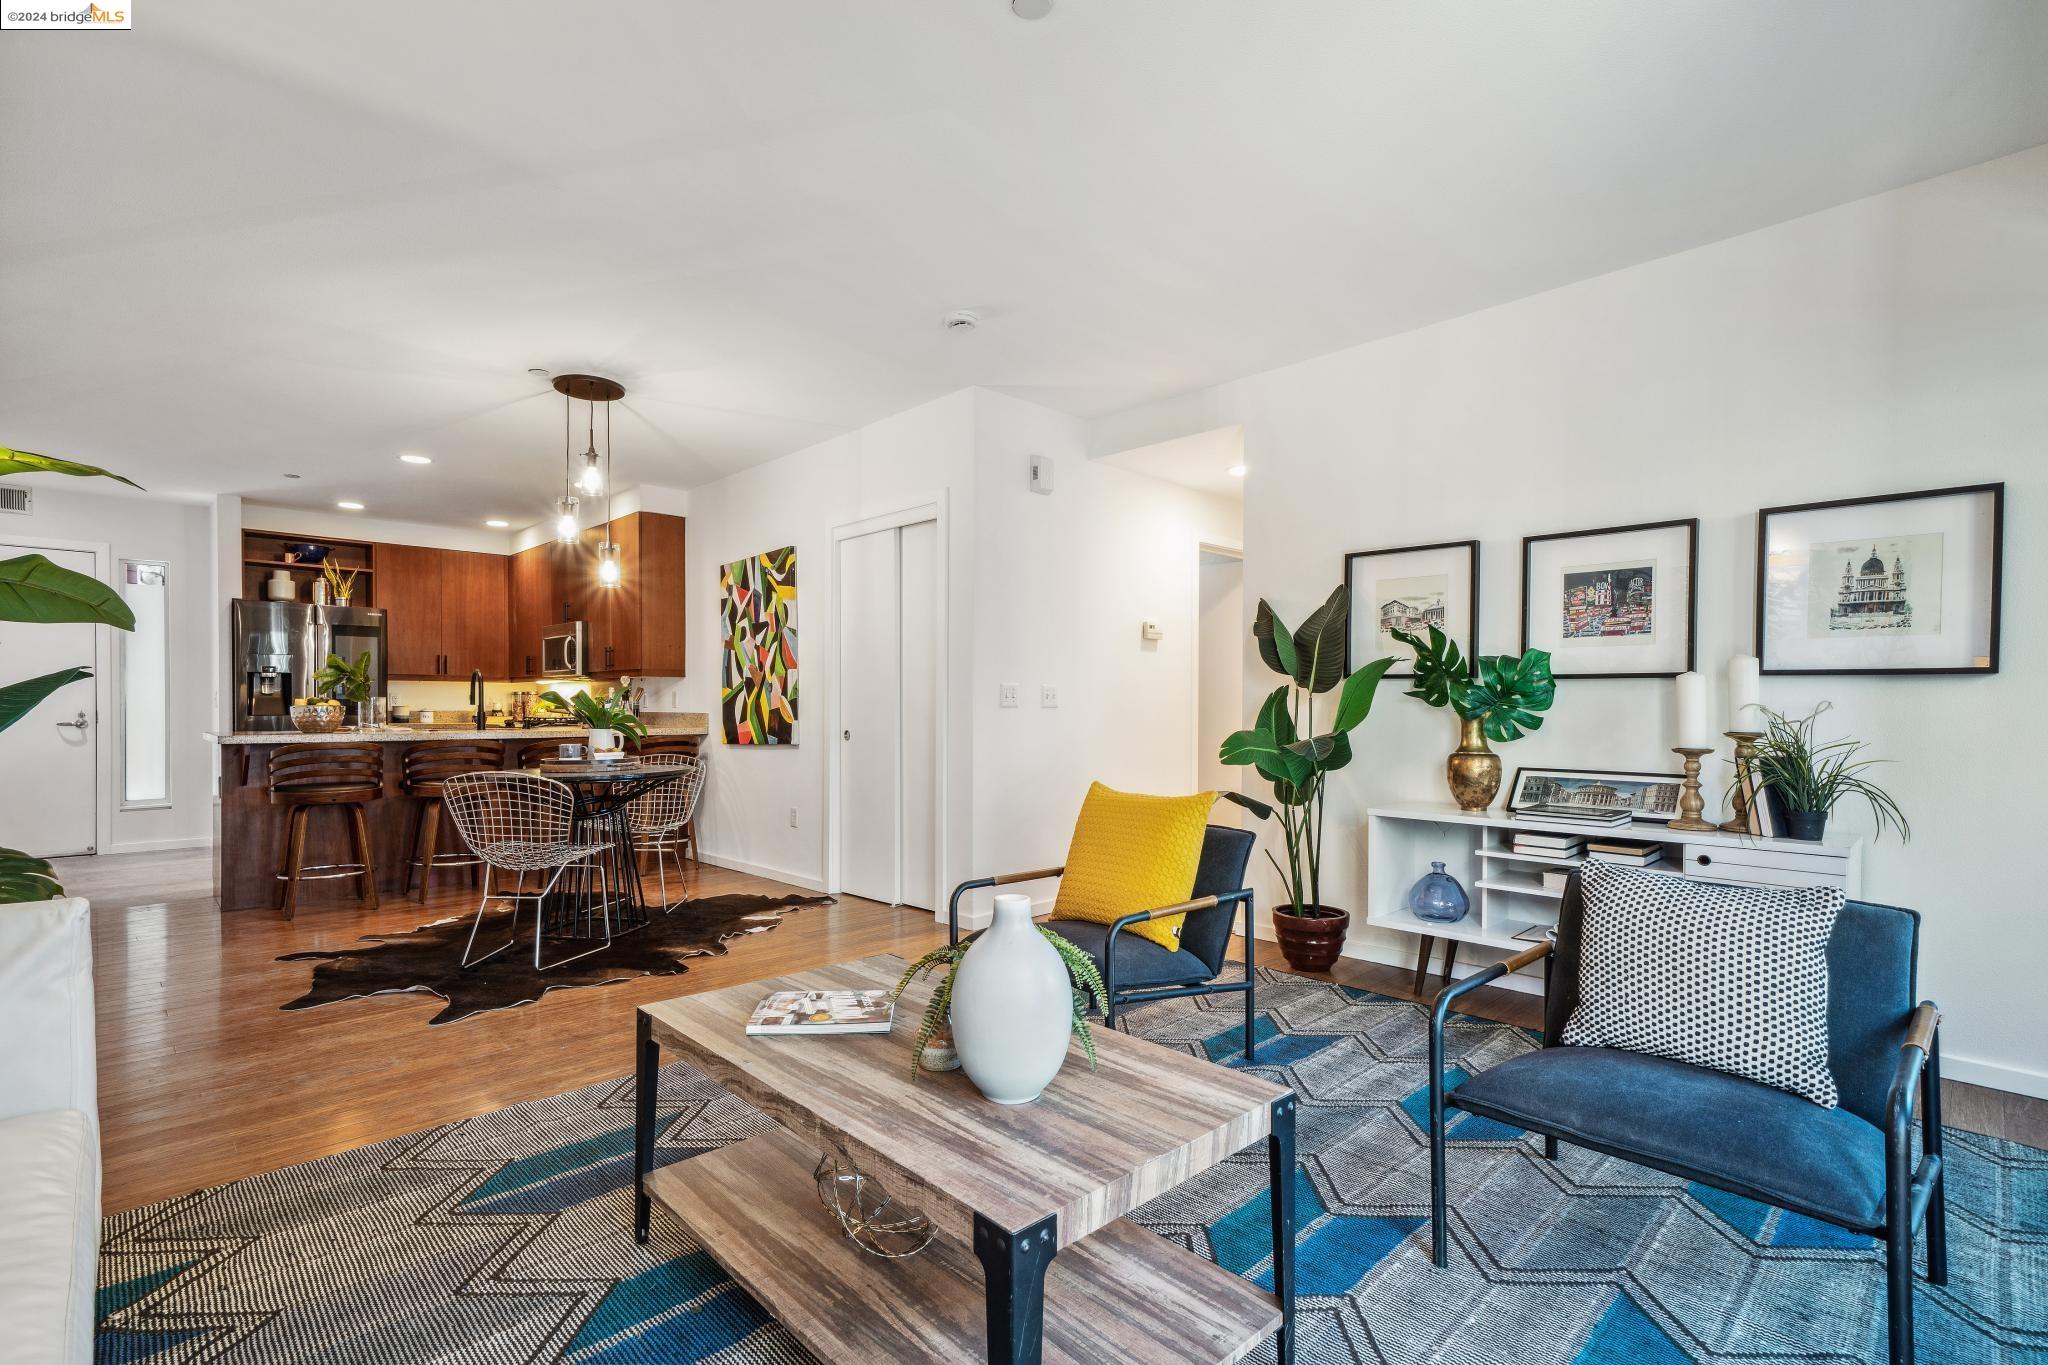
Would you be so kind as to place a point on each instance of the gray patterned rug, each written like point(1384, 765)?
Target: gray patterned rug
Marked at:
point(504, 1238)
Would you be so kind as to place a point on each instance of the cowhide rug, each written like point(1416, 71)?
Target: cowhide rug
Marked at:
point(429, 958)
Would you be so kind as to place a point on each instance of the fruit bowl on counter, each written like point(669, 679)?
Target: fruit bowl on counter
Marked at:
point(316, 717)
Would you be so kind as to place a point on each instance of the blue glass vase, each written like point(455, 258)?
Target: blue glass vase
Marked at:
point(1438, 897)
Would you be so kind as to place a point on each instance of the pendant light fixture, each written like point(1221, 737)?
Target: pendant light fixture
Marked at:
point(588, 476)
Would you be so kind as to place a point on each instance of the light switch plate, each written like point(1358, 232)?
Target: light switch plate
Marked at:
point(1006, 694)
point(1048, 696)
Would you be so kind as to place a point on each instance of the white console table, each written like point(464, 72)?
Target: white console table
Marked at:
point(1506, 888)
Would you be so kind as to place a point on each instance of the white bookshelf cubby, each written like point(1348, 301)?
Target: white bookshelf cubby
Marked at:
point(1506, 888)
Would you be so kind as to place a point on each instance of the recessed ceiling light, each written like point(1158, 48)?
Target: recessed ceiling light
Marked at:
point(349, 506)
point(417, 459)
point(1236, 471)
point(962, 320)
point(1031, 9)
point(294, 476)
point(498, 522)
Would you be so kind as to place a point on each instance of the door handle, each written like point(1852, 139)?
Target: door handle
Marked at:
point(78, 724)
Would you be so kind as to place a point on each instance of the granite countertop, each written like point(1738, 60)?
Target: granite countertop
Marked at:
point(681, 723)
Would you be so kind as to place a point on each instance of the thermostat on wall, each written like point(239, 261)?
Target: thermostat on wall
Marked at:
point(1150, 631)
point(1041, 474)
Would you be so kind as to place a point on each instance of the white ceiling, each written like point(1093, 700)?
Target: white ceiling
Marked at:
point(1202, 460)
point(243, 240)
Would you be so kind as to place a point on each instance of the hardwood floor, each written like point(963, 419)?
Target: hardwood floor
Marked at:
point(203, 1078)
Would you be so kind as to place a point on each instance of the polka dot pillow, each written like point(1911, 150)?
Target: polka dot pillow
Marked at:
point(1734, 978)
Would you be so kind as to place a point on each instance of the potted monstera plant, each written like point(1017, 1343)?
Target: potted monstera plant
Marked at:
point(1284, 746)
point(33, 589)
point(1503, 702)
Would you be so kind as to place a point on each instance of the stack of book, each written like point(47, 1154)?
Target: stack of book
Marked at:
point(1572, 815)
point(1629, 852)
point(1548, 845)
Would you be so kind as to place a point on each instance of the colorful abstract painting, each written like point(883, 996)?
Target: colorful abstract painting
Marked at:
point(757, 687)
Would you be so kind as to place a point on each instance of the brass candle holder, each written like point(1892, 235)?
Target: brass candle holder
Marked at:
point(1739, 821)
point(1690, 802)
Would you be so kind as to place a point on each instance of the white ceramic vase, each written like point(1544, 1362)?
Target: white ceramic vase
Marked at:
point(1012, 1007)
point(605, 743)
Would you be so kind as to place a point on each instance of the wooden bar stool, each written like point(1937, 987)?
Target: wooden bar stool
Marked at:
point(423, 769)
point(304, 776)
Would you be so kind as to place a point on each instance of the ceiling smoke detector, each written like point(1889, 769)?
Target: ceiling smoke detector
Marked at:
point(1031, 9)
point(540, 372)
point(961, 320)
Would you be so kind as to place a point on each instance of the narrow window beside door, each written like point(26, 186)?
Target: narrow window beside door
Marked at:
point(145, 687)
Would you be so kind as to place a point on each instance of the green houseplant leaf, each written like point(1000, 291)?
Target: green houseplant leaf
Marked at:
point(23, 878)
point(1354, 703)
point(600, 713)
point(1319, 644)
point(18, 699)
point(22, 462)
point(1276, 642)
point(34, 589)
point(1440, 670)
point(344, 680)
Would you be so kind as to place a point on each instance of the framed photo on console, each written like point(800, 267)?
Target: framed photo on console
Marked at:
point(1618, 602)
point(1411, 588)
point(1645, 796)
point(1904, 583)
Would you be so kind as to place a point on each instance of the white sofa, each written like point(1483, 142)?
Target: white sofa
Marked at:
point(49, 1133)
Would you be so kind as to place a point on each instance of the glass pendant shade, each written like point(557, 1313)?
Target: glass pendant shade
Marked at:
point(566, 529)
point(608, 565)
point(591, 480)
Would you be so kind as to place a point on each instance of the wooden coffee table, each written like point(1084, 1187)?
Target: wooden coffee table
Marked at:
point(1036, 1193)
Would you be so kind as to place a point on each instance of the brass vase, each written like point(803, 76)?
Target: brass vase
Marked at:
point(1474, 769)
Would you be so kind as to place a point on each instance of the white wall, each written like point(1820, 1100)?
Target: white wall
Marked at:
point(1224, 649)
point(1041, 590)
point(1893, 344)
point(179, 534)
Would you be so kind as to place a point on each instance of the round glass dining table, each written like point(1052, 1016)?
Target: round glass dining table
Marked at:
point(605, 792)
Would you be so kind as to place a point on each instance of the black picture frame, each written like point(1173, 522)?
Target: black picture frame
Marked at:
point(1673, 779)
point(1470, 646)
point(1691, 526)
point(1761, 634)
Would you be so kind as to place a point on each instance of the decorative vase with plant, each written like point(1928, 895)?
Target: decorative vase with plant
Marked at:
point(1503, 703)
point(341, 582)
point(339, 682)
point(1286, 750)
point(1010, 1047)
point(32, 589)
point(1812, 778)
point(608, 717)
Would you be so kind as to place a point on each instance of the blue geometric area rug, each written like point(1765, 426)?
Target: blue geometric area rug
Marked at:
point(504, 1238)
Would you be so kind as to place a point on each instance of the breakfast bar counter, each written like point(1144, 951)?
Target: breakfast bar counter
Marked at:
point(249, 829)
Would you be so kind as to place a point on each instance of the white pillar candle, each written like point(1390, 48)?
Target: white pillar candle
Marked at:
point(1745, 693)
point(1692, 712)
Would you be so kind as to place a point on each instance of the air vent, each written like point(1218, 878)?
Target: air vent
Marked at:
point(14, 498)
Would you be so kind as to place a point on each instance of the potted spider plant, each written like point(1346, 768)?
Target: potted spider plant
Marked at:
point(1011, 1042)
point(1810, 778)
point(609, 718)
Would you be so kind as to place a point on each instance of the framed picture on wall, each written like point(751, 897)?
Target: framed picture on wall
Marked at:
point(1411, 588)
point(1618, 602)
point(1903, 583)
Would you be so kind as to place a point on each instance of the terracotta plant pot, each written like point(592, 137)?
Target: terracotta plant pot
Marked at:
point(1311, 943)
point(1473, 769)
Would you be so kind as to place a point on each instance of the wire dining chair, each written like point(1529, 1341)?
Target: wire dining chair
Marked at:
point(658, 820)
point(522, 824)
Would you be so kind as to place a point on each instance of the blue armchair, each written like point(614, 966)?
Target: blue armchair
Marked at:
point(1851, 1166)
point(1137, 970)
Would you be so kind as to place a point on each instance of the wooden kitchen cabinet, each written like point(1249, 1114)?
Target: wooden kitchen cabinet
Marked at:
point(445, 611)
point(533, 608)
point(637, 627)
point(409, 583)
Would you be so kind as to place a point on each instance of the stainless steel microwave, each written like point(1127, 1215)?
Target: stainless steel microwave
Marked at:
point(565, 649)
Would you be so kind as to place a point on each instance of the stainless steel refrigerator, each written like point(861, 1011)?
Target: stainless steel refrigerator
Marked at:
point(279, 646)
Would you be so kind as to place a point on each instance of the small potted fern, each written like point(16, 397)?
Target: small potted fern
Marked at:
point(1024, 991)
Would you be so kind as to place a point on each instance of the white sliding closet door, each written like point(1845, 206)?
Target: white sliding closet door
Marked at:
point(870, 716)
point(889, 714)
point(919, 561)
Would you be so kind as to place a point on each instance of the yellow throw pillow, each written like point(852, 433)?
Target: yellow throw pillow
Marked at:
point(1133, 852)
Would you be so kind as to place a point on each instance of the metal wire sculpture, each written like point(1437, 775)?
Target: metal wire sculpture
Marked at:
point(876, 1223)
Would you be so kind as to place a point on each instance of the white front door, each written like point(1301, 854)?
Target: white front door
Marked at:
point(49, 797)
point(870, 718)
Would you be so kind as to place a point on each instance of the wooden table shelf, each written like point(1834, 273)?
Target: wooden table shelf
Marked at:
point(1122, 1294)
